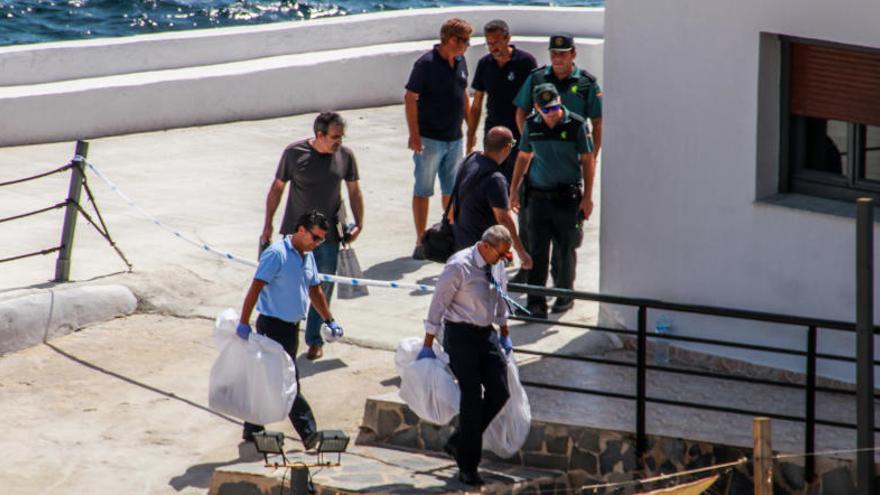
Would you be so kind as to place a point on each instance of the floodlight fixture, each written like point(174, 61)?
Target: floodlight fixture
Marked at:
point(329, 442)
point(270, 442)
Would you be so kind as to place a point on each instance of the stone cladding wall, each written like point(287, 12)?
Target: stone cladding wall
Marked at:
point(594, 456)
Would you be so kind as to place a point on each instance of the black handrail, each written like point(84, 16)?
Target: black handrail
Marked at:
point(811, 355)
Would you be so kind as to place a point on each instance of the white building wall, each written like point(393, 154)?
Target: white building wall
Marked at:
point(682, 213)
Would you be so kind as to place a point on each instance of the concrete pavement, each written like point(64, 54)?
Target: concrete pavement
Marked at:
point(211, 182)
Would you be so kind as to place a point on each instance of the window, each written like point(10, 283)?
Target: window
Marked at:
point(831, 119)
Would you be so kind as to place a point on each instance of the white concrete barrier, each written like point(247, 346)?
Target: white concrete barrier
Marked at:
point(260, 88)
point(30, 319)
point(50, 62)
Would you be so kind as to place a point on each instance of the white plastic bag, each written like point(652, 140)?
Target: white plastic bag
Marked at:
point(427, 385)
point(254, 380)
point(508, 430)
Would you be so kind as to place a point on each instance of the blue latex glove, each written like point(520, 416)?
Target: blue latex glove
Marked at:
point(331, 331)
point(506, 343)
point(243, 330)
point(426, 352)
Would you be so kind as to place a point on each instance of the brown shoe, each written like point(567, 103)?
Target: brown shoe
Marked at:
point(315, 352)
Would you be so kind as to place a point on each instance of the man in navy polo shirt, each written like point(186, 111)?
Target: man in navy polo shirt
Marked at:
point(499, 75)
point(285, 282)
point(436, 104)
point(558, 154)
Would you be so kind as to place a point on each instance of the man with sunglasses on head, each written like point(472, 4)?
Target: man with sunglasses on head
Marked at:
point(436, 103)
point(315, 168)
point(580, 94)
point(285, 282)
point(558, 155)
point(468, 299)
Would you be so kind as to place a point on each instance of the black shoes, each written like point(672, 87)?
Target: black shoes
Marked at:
point(247, 434)
point(419, 253)
point(451, 450)
point(472, 479)
point(538, 310)
point(311, 441)
point(562, 304)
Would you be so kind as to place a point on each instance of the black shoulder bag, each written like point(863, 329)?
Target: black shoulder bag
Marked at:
point(439, 241)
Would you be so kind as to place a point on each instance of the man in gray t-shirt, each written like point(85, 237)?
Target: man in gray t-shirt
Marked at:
point(315, 167)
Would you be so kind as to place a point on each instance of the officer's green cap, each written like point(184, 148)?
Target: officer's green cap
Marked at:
point(562, 42)
point(545, 94)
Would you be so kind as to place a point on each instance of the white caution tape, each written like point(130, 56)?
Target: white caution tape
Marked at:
point(229, 256)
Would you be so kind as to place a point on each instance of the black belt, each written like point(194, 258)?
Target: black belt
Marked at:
point(572, 191)
point(469, 326)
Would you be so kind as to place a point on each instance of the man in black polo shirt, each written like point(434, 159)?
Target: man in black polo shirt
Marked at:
point(482, 199)
point(499, 75)
point(436, 104)
point(557, 152)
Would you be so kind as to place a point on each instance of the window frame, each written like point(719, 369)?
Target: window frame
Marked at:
point(795, 179)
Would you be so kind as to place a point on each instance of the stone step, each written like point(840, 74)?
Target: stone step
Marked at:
point(366, 469)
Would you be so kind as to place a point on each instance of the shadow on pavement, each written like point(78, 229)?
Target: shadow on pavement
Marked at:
point(394, 269)
point(199, 476)
point(136, 383)
point(308, 368)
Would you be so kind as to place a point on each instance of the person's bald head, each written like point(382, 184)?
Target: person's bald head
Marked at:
point(497, 139)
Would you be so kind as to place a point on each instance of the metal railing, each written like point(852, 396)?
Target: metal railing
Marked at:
point(811, 355)
point(73, 208)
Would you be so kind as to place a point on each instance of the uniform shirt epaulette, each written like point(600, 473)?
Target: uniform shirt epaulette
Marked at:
point(587, 75)
point(577, 117)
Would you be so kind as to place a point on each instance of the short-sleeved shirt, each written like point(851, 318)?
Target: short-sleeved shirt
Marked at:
point(441, 89)
point(579, 91)
point(315, 180)
point(556, 162)
point(481, 187)
point(501, 85)
point(288, 277)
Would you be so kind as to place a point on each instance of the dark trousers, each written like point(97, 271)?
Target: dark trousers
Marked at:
point(287, 334)
point(557, 222)
point(481, 369)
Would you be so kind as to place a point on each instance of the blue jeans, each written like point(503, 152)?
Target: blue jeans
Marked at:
point(438, 158)
point(325, 256)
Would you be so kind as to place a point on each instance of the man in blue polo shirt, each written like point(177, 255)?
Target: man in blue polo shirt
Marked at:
point(436, 104)
point(285, 281)
point(557, 153)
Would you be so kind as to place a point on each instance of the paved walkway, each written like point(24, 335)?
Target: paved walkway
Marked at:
point(211, 183)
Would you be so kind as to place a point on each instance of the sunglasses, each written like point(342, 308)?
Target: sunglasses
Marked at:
point(466, 41)
point(315, 237)
point(512, 142)
point(550, 108)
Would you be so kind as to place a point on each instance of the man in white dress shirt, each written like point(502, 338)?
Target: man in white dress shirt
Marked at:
point(467, 300)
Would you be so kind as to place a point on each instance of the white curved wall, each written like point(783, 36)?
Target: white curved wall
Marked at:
point(682, 162)
point(48, 62)
point(251, 82)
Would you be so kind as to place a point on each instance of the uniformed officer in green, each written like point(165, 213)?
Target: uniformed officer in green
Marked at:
point(579, 90)
point(580, 94)
point(557, 153)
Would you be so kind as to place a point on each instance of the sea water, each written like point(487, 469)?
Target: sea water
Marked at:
point(36, 21)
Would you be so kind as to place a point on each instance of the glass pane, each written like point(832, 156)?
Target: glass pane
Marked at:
point(872, 152)
point(826, 146)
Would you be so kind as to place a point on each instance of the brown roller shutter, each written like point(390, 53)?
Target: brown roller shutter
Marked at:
point(835, 83)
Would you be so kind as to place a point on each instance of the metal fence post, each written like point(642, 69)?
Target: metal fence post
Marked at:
point(810, 423)
point(865, 343)
point(641, 371)
point(62, 264)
